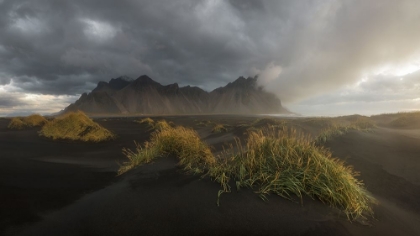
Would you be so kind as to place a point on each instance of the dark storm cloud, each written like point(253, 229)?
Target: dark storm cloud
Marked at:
point(301, 48)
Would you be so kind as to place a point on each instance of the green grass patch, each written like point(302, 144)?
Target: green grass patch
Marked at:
point(75, 126)
point(34, 120)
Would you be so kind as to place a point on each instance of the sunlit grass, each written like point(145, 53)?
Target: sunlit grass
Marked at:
point(27, 122)
point(75, 126)
point(363, 124)
point(273, 161)
point(219, 128)
point(184, 143)
point(287, 163)
point(204, 123)
point(155, 125)
point(148, 121)
point(16, 123)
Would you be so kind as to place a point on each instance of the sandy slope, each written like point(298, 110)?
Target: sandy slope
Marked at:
point(68, 188)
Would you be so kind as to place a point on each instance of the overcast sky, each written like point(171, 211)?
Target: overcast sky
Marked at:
point(321, 57)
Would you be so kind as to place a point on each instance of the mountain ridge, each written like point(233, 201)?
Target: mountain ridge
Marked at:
point(123, 95)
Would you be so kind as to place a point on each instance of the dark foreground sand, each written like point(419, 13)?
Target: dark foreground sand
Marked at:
point(71, 188)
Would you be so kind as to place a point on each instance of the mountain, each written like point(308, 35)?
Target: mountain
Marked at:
point(123, 95)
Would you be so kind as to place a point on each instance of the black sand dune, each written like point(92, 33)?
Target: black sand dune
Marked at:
point(71, 188)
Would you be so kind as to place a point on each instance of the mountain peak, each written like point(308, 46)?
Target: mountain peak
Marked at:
point(125, 78)
point(244, 83)
point(145, 79)
point(147, 96)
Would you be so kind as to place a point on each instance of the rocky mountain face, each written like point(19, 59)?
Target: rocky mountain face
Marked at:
point(146, 96)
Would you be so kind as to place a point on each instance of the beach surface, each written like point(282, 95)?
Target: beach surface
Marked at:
point(72, 188)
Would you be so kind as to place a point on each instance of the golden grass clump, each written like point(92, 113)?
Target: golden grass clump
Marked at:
point(361, 123)
point(273, 161)
point(184, 143)
point(219, 128)
point(157, 125)
point(148, 121)
point(16, 123)
point(75, 126)
point(286, 163)
point(204, 123)
point(33, 120)
point(161, 125)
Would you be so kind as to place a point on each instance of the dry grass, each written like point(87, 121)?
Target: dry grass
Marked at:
point(35, 120)
point(219, 128)
point(273, 161)
point(148, 121)
point(76, 126)
point(204, 123)
point(287, 163)
point(27, 122)
point(262, 123)
point(161, 125)
point(406, 120)
point(184, 143)
point(156, 125)
point(16, 123)
point(362, 123)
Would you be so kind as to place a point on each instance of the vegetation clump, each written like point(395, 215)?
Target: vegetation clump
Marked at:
point(161, 125)
point(27, 122)
point(75, 126)
point(184, 143)
point(286, 163)
point(16, 123)
point(204, 123)
point(273, 161)
point(148, 121)
point(219, 128)
point(406, 120)
point(363, 124)
point(157, 125)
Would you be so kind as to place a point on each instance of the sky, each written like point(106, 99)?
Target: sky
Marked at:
point(320, 57)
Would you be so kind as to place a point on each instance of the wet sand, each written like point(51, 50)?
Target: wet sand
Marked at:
point(71, 188)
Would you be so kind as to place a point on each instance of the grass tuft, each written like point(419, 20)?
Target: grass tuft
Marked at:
point(33, 120)
point(286, 163)
point(16, 123)
point(219, 128)
point(184, 143)
point(148, 121)
point(161, 125)
point(282, 162)
point(76, 126)
point(363, 124)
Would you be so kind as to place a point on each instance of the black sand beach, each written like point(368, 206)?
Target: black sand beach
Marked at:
point(72, 188)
